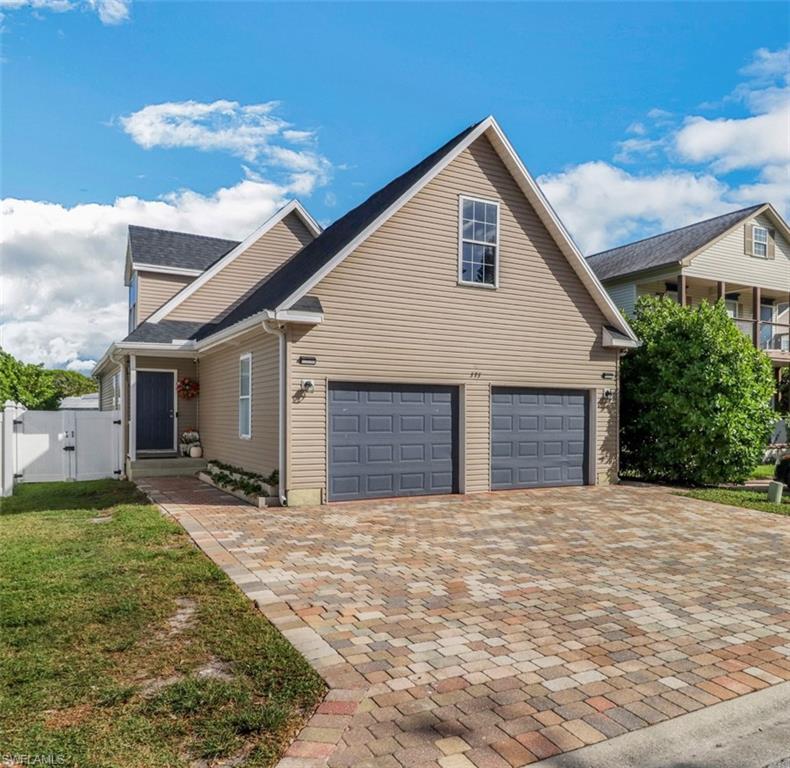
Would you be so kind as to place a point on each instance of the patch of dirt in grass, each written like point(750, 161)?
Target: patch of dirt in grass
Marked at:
point(233, 761)
point(183, 617)
point(66, 718)
point(213, 669)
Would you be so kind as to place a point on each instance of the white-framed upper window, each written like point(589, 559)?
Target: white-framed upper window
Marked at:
point(478, 254)
point(133, 302)
point(245, 396)
point(760, 242)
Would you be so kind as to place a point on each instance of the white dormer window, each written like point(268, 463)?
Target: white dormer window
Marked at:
point(133, 302)
point(478, 257)
point(759, 242)
point(245, 396)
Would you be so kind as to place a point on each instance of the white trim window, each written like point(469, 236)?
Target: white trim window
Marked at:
point(478, 251)
point(245, 396)
point(133, 287)
point(760, 242)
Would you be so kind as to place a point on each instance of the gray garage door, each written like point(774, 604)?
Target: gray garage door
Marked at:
point(392, 440)
point(538, 437)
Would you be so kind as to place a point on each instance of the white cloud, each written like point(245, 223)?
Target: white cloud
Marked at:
point(733, 143)
point(62, 298)
point(253, 132)
point(602, 204)
point(605, 205)
point(110, 12)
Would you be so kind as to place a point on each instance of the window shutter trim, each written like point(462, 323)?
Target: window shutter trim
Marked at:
point(747, 239)
point(771, 248)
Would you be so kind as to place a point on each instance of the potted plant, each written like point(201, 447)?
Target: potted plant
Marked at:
point(190, 443)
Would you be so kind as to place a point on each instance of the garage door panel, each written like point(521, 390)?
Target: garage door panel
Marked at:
point(538, 438)
point(406, 440)
point(377, 453)
point(412, 453)
point(345, 454)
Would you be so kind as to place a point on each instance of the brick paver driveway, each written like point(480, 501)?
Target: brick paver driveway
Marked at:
point(497, 630)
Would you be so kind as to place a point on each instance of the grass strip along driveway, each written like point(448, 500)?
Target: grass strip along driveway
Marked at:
point(750, 498)
point(123, 645)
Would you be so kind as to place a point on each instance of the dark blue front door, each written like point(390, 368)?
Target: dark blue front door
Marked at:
point(155, 411)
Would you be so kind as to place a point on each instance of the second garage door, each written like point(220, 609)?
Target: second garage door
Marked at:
point(538, 437)
point(392, 440)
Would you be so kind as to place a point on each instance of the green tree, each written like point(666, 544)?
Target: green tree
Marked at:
point(784, 392)
point(28, 384)
point(695, 396)
point(72, 383)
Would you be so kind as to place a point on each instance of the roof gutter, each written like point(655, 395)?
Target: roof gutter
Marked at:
point(271, 324)
point(611, 339)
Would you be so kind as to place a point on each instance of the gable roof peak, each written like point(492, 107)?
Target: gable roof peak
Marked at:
point(667, 248)
point(297, 275)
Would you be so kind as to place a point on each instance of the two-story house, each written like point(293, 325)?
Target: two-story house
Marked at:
point(445, 336)
point(741, 257)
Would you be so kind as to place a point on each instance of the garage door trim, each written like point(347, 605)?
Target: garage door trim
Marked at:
point(588, 460)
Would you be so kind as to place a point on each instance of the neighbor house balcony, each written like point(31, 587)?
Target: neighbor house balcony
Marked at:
point(761, 314)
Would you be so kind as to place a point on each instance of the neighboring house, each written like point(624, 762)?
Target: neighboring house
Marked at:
point(742, 257)
point(80, 402)
point(444, 336)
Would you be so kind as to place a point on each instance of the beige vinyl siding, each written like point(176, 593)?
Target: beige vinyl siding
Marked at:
point(395, 313)
point(154, 289)
point(219, 403)
point(187, 410)
point(235, 281)
point(106, 389)
point(726, 260)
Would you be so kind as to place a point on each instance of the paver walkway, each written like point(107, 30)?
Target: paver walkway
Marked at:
point(496, 630)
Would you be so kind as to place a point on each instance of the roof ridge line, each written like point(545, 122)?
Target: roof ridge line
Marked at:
point(181, 232)
point(677, 229)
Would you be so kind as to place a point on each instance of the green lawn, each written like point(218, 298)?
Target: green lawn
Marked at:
point(107, 613)
point(750, 498)
point(764, 472)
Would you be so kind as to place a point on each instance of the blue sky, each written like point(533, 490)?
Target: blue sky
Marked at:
point(635, 117)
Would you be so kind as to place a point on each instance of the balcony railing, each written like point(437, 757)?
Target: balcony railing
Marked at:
point(773, 337)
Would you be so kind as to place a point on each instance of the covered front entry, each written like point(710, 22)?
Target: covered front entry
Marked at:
point(538, 437)
point(392, 440)
point(155, 413)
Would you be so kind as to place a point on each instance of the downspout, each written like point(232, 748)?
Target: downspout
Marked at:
point(271, 325)
point(124, 408)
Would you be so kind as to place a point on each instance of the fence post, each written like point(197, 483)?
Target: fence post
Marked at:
point(10, 410)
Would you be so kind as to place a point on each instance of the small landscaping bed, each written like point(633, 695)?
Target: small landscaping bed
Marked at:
point(750, 498)
point(255, 489)
point(122, 645)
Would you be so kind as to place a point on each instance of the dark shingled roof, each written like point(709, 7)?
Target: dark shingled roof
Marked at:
point(165, 331)
point(667, 248)
point(176, 249)
point(297, 270)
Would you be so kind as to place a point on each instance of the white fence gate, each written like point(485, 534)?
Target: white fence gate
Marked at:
point(40, 446)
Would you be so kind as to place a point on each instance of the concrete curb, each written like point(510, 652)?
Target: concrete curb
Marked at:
point(750, 731)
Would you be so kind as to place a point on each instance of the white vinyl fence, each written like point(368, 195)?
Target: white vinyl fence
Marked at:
point(39, 446)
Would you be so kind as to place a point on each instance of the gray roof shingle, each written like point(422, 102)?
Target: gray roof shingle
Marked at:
point(165, 331)
point(176, 249)
point(664, 249)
